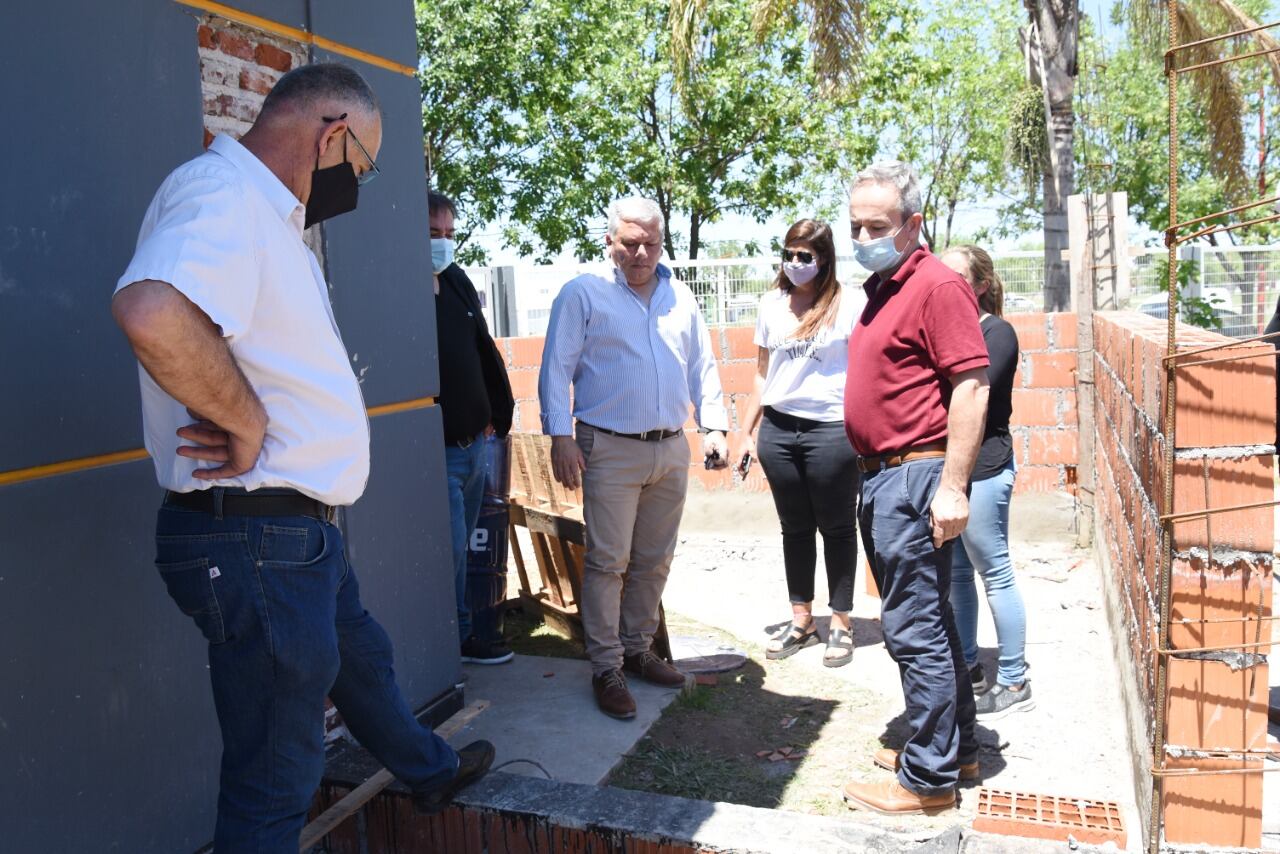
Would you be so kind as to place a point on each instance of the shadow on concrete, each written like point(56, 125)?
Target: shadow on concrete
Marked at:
point(866, 632)
point(730, 723)
point(990, 746)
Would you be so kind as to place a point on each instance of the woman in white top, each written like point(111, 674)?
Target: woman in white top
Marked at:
point(798, 404)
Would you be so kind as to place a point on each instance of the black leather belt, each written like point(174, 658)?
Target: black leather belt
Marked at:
point(226, 501)
point(647, 436)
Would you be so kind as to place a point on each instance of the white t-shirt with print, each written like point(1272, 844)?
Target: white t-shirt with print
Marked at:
point(806, 376)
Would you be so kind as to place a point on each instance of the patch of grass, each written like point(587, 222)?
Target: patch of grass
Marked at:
point(705, 744)
point(528, 634)
point(692, 772)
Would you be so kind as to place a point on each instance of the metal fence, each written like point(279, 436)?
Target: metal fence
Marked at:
point(1238, 284)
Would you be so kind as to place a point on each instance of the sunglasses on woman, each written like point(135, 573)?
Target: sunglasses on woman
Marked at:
point(801, 256)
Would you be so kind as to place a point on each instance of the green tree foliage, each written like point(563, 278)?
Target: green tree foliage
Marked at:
point(948, 113)
point(540, 112)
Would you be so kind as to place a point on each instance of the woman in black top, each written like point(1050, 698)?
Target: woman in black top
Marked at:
point(984, 545)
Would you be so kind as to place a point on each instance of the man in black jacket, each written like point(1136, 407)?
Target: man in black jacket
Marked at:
point(475, 399)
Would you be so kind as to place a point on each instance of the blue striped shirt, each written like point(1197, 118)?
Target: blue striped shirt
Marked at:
point(633, 367)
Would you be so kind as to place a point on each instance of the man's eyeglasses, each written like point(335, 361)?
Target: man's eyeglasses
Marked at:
point(373, 171)
point(801, 256)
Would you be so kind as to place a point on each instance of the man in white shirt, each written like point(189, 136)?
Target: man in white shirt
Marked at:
point(635, 349)
point(229, 316)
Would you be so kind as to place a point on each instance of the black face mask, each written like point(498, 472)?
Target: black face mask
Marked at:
point(334, 190)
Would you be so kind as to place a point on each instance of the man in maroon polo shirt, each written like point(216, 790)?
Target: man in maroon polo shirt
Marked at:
point(915, 405)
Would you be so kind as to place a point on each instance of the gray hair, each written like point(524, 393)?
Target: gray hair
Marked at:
point(634, 209)
point(896, 174)
point(307, 84)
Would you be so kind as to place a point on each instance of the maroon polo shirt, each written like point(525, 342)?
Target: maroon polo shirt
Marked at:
point(919, 329)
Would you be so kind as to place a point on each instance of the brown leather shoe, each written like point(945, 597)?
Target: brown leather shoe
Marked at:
point(612, 695)
point(651, 668)
point(887, 758)
point(889, 797)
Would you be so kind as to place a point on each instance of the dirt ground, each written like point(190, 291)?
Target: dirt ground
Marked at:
point(728, 583)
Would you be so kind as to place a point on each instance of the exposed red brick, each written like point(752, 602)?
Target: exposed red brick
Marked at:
point(1032, 330)
point(526, 352)
point(738, 377)
point(1034, 408)
point(1054, 447)
point(272, 57)
point(1049, 370)
point(1038, 479)
point(524, 384)
point(233, 45)
point(204, 35)
point(255, 81)
point(740, 342)
point(1065, 334)
point(208, 138)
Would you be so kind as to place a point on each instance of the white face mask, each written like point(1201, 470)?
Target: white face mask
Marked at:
point(799, 273)
point(880, 254)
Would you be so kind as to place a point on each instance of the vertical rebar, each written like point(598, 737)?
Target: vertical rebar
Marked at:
point(1170, 388)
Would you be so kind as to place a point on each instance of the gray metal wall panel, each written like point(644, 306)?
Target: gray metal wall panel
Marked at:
point(290, 12)
point(379, 257)
point(109, 734)
point(398, 543)
point(389, 32)
point(112, 123)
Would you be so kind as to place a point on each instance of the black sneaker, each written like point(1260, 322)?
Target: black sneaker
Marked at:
point(473, 761)
point(476, 651)
point(1001, 701)
point(978, 677)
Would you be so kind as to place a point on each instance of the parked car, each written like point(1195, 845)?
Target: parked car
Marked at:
point(1015, 303)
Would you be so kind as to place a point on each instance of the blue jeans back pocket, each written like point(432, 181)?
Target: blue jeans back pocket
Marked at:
point(191, 586)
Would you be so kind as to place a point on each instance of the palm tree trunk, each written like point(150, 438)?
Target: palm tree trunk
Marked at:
point(1052, 46)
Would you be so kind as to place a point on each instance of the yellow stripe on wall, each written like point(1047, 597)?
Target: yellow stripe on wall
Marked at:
point(100, 460)
point(297, 34)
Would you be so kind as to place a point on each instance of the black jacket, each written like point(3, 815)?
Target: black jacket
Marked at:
point(498, 386)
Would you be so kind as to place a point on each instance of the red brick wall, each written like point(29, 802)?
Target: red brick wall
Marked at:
point(1045, 425)
point(1225, 428)
point(1044, 399)
point(238, 67)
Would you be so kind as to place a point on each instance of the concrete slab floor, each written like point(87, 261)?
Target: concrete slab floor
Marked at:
point(728, 574)
point(543, 709)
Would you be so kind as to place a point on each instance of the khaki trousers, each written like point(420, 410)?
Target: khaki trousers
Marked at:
point(633, 496)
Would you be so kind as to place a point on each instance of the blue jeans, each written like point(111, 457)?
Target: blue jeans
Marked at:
point(280, 607)
point(984, 545)
point(464, 468)
point(919, 629)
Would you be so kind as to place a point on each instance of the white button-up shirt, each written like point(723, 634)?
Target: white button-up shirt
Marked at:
point(225, 232)
point(634, 367)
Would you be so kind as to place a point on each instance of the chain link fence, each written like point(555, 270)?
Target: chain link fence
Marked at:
point(1238, 285)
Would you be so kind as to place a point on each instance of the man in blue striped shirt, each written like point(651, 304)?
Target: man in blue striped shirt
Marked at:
point(635, 349)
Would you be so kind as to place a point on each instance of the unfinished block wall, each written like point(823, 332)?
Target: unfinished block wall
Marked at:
point(1224, 457)
point(1044, 425)
point(238, 67)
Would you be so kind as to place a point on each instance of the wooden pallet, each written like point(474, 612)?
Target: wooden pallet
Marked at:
point(552, 515)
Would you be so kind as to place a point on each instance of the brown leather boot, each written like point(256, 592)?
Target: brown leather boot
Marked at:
point(889, 797)
point(888, 759)
point(613, 696)
point(651, 668)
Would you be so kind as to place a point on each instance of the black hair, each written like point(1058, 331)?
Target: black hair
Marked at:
point(439, 201)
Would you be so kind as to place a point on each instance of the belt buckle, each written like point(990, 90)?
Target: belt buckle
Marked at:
point(644, 437)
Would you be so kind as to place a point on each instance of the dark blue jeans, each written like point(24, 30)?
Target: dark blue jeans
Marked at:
point(280, 607)
point(919, 629)
point(465, 472)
